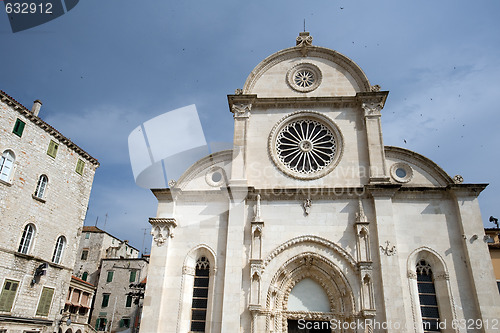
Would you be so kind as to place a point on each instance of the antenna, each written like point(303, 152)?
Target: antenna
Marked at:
point(97, 219)
point(304, 25)
point(143, 238)
point(106, 220)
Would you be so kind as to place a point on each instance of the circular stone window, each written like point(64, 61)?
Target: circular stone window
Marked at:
point(304, 77)
point(215, 176)
point(305, 145)
point(401, 172)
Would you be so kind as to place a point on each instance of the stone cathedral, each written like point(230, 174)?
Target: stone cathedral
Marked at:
point(311, 224)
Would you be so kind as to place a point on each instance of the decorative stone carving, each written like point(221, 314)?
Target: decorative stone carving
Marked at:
point(360, 215)
point(311, 239)
point(375, 88)
point(238, 91)
point(412, 275)
point(372, 109)
point(188, 270)
point(307, 206)
point(388, 250)
point(257, 217)
point(458, 179)
point(241, 110)
point(256, 267)
point(441, 276)
point(172, 183)
point(303, 41)
point(162, 229)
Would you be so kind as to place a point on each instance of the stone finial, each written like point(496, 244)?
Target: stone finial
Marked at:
point(458, 179)
point(257, 217)
point(360, 215)
point(303, 41)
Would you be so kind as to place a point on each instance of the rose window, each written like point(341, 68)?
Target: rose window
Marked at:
point(305, 146)
point(304, 78)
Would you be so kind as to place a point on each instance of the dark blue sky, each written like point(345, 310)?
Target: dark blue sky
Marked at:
point(107, 66)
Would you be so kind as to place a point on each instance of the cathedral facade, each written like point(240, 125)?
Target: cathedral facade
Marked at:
point(311, 224)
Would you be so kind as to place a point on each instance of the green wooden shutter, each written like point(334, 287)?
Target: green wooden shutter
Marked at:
point(18, 127)
point(105, 300)
point(110, 276)
point(79, 167)
point(8, 295)
point(85, 276)
point(121, 322)
point(132, 276)
point(129, 301)
point(45, 302)
point(52, 151)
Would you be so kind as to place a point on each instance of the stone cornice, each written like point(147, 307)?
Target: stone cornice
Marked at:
point(46, 127)
point(466, 190)
point(308, 102)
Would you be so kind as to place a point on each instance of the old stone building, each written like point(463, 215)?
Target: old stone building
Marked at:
point(97, 244)
point(116, 308)
point(493, 240)
point(76, 313)
point(45, 183)
point(311, 224)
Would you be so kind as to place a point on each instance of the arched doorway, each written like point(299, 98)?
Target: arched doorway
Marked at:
point(308, 293)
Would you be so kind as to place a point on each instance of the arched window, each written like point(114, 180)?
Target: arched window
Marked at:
point(27, 238)
point(41, 186)
point(6, 165)
point(200, 295)
point(58, 250)
point(427, 297)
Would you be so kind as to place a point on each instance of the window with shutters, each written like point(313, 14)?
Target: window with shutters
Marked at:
point(427, 296)
point(8, 294)
point(41, 186)
point(100, 324)
point(200, 295)
point(85, 276)
point(125, 322)
point(6, 165)
point(105, 300)
point(45, 302)
point(52, 151)
point(109, 278)
point(79, 167)
point(58, 250)
point(132, 276)
point(18, 127)
point(26, 239)
point(128, 303)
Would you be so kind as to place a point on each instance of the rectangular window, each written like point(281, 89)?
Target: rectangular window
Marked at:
point(52, 151)
point(18, 128)
point(125, 322)
point(128, 304)
point(79, 167)
point(8, 295)
point(85, 254)
point(45, 302)
point(105, 300)
point(87, 235)
point(110, 276)
point(132, 276)
point(100, 324)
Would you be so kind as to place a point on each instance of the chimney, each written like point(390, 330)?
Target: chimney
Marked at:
point(36, 107)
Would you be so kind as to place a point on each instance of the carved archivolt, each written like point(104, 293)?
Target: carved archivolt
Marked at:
point(320, 269)
point(311, 239)
point(162, 228)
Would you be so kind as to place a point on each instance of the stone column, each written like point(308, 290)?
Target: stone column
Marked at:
point(392, 284)
point(477, 254)
point(157, 286)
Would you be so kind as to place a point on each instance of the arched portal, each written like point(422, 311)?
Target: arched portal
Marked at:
point(308, 288)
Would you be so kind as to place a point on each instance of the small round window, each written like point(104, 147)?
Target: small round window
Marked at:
point(401, 172)
point(304, 77)
point(215, 176)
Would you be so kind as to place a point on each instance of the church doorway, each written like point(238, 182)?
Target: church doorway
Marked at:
point(308, 326)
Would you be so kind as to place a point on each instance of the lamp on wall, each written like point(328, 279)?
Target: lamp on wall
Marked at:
point(494, 220)
point(68, 321)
